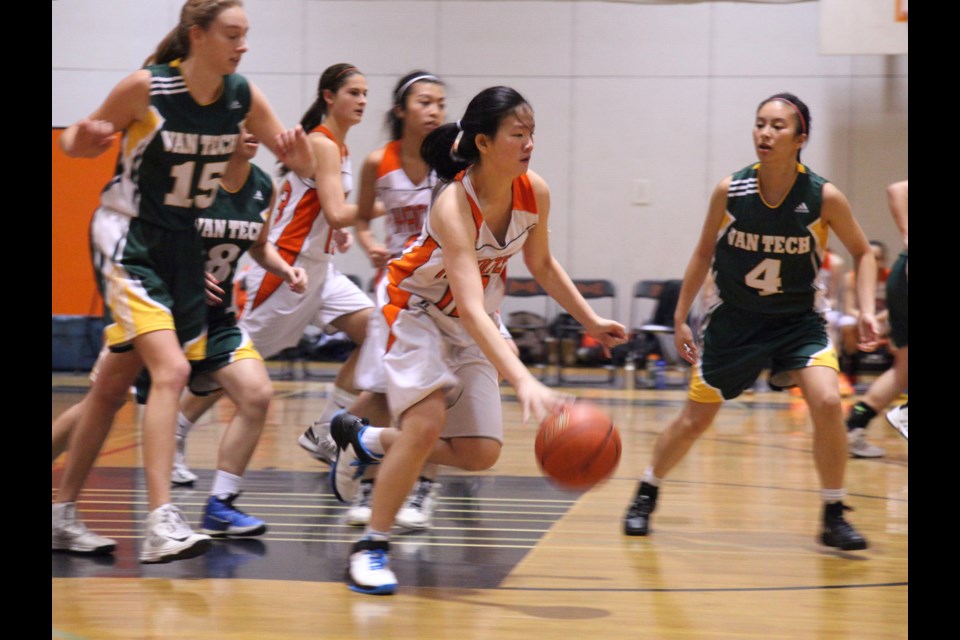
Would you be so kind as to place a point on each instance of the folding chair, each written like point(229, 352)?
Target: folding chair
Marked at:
point(591, 289)
point(653, 333)
point(527, 326)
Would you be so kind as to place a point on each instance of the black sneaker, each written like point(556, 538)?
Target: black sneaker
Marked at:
point(637, 520)
point(352, 457)
point(839, 533)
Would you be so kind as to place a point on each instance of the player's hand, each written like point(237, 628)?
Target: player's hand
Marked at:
point(686, 345)
point(343, 240)
point(214, 293)
point(297, 279)
point(293, 150)
point(608, 333)
point(379, 256)
point(868, 331)
point(92, 138)
point(537, 401)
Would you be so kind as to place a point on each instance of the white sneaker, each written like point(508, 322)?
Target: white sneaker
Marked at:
point(368, 571)
point(316, 440)
point(358, 515)
point(860, 448)
point(417, 511)
point(181, 473)
point(69, 534)
point(169, 537)
point(897, 417)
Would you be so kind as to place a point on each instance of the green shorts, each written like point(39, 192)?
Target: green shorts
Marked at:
point(738, 345)
point(151, 279)
point(226, 343)
point(897, 301)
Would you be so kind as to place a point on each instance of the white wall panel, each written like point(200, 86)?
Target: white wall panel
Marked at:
point(613, 39)
point(506, 38)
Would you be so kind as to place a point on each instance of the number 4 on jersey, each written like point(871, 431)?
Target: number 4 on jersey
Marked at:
point(765, 277)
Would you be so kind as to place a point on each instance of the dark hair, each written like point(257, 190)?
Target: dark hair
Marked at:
point(880, 245)
point(331, 80)
point(451, 148)
point(799, 108)
point(201, 13)
point(400, 93)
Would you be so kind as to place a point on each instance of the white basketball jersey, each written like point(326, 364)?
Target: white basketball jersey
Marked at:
point(298, 227)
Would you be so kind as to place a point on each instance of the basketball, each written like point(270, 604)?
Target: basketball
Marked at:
point(578, 447)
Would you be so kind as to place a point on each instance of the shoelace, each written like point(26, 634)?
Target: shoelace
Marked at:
point(378, 559)
point(640, 506)
point(423, 490)
point(174, 522)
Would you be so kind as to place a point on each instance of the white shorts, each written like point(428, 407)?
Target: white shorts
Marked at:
point(370, 374)
point(278, 322)
point(432, 351)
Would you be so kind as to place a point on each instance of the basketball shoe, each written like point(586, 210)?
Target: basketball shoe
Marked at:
point(69, 534)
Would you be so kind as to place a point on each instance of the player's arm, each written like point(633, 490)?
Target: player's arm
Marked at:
point(367, 211)
point(329, 184)
point(266, 255)
point(454, 229)
point(697, 269)
point(838, 215)
point(897, 199)
point(550, 275)
point(126, 103)
point(290, 146)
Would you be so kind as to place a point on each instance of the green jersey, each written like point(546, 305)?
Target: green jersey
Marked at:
point(170, 162)
point(229, 227)
point(768, 255)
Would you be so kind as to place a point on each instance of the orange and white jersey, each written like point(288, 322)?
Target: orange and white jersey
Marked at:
point(406, 203)
point(418, 275)
point(298, 227)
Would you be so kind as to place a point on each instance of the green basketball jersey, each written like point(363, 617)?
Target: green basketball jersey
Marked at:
point(229, 227)
point(767, 256)
point(170, 162)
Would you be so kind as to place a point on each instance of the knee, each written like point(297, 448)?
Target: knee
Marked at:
point(691, 425)
point(172, 376)
point(826, 402)
point(480, 455)
point(482, 458)
point(255, 398)
point(423, 434)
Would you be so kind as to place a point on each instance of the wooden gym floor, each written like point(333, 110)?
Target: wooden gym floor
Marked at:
point(732, 554)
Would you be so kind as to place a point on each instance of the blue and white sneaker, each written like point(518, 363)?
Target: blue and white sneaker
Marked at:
point(368, 571)
point(352, 457)
point(222, 519)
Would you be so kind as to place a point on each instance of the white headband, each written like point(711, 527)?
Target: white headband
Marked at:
point(406, 85)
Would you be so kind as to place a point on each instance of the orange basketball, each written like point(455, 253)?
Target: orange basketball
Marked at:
point(578, 447)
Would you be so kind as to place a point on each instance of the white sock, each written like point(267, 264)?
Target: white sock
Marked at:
point(339, 399)
point(225, 484)
point(375, 535)
point(651, 479)
point(370, 439)
point(833, 495)
point(183, 425)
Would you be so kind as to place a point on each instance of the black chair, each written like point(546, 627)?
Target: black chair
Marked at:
point(653, 334)
point(569, 334)
point(528, 326)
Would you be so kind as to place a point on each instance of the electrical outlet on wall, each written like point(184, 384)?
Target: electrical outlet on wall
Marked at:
point(640, 191)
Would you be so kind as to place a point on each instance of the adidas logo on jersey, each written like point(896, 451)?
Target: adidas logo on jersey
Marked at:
point(802, 208)
point(236, 105)
point(258, 195)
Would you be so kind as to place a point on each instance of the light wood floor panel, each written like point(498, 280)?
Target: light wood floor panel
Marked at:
point(732, 553)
